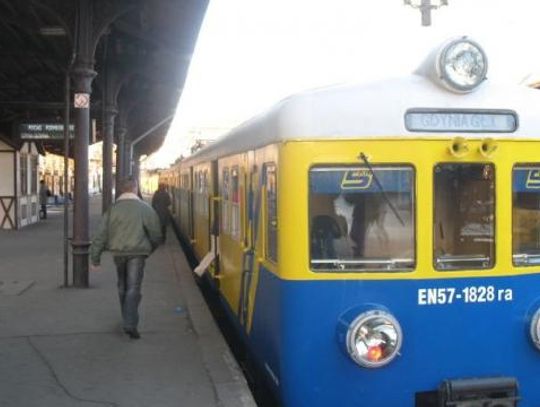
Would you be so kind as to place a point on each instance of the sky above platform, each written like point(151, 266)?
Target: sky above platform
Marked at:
point(252, 53)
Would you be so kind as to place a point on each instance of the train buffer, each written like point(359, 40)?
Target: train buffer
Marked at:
point(64, 347)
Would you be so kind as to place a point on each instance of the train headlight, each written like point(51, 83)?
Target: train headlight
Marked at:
point(374, 338)
point(535, 329)
point(462, 65)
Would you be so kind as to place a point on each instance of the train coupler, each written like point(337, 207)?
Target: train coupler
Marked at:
point(479, 392)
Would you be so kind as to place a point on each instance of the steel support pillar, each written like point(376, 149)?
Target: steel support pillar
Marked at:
point(82, 75)
point(108, 136)
point(120, 155)
point(127, 157)
point(136, 169)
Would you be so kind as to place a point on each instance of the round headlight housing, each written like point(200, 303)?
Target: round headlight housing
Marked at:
point(374, 338)
point(462, 65)
point(534, 330)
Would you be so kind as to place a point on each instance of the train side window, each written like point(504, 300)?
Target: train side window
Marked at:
point(196, 192)
point(204, 191)
point(201, 192)
point(362, 218)
point(225, 215)
point(526, 215)
point(184, 196)
point(464, 218)
point(271, 212)
point(235, 203)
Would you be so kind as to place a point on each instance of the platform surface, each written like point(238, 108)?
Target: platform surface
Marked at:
point(64, 347)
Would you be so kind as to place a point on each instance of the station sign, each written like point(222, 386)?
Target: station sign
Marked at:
point(44, 131)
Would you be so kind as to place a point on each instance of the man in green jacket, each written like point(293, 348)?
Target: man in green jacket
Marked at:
point(131, 231)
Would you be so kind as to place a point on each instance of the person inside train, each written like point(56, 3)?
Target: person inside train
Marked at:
point(359, 223)
point(324, 230)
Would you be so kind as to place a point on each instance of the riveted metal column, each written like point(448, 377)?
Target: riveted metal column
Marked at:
point(121, 132)
point(82, 75)
point(136, 169)
point(127, 156)
point(108, 136)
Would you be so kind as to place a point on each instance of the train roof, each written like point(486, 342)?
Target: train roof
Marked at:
point(377, 109)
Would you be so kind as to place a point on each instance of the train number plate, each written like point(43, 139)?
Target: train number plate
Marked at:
point(467, 295)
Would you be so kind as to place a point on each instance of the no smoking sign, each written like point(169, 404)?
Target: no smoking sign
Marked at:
point(81, 100)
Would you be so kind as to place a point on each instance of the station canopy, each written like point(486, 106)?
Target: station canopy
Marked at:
point(144, 48)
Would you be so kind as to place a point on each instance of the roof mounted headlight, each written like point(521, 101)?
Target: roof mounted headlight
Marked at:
point(461, 65)
point(372, 339)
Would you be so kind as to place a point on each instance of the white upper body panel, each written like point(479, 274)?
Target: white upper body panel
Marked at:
point(374, 110)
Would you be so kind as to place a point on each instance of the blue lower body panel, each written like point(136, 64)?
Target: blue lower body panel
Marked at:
point(459, 328)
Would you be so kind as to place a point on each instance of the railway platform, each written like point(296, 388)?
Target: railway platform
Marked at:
point(64, 347)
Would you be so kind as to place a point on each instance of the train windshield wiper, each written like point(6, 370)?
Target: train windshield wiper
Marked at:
point(383, 192)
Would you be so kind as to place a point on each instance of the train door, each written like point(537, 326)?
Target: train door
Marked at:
point(252, 177)
point(190, 187)
point(214, 216)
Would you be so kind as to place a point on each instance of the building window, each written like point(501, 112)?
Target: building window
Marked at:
point(33, 174)
point(24, 174)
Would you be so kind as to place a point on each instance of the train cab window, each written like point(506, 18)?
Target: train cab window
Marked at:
point(526, 215)
point(362, 219)
point(271, 212)
point(464, 221)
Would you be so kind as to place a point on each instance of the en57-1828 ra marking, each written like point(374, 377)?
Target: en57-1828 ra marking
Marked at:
point(469, 295)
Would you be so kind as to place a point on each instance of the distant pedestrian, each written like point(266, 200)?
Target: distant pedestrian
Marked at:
point(44, 194)
point(131, 231)
point(161, 202)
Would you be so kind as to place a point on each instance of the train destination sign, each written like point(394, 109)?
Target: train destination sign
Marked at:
point(44, 131)
point(461, 121)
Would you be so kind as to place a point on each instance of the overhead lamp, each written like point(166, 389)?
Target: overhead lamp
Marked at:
point(459, 65)
point(52, 31)
point(462, 65)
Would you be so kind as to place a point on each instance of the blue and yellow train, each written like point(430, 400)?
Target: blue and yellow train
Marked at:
point(379, 245)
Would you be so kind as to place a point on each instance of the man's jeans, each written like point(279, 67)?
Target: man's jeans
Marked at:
point(130, 271)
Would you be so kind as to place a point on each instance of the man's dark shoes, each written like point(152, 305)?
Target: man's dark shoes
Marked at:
point(132, 333)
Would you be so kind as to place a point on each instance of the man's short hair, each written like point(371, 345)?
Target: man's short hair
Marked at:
point(128, 185)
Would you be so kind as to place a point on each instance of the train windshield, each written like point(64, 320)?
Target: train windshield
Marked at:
point(526, 215)
point(362, 218)
point(464, 221)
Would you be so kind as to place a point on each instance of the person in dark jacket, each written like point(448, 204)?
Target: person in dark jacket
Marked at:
point(161, 202)
point(359, 225)
point(131, 231)
point(44, 194)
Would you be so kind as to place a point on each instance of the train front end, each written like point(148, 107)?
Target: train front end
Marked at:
point(409, 261)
